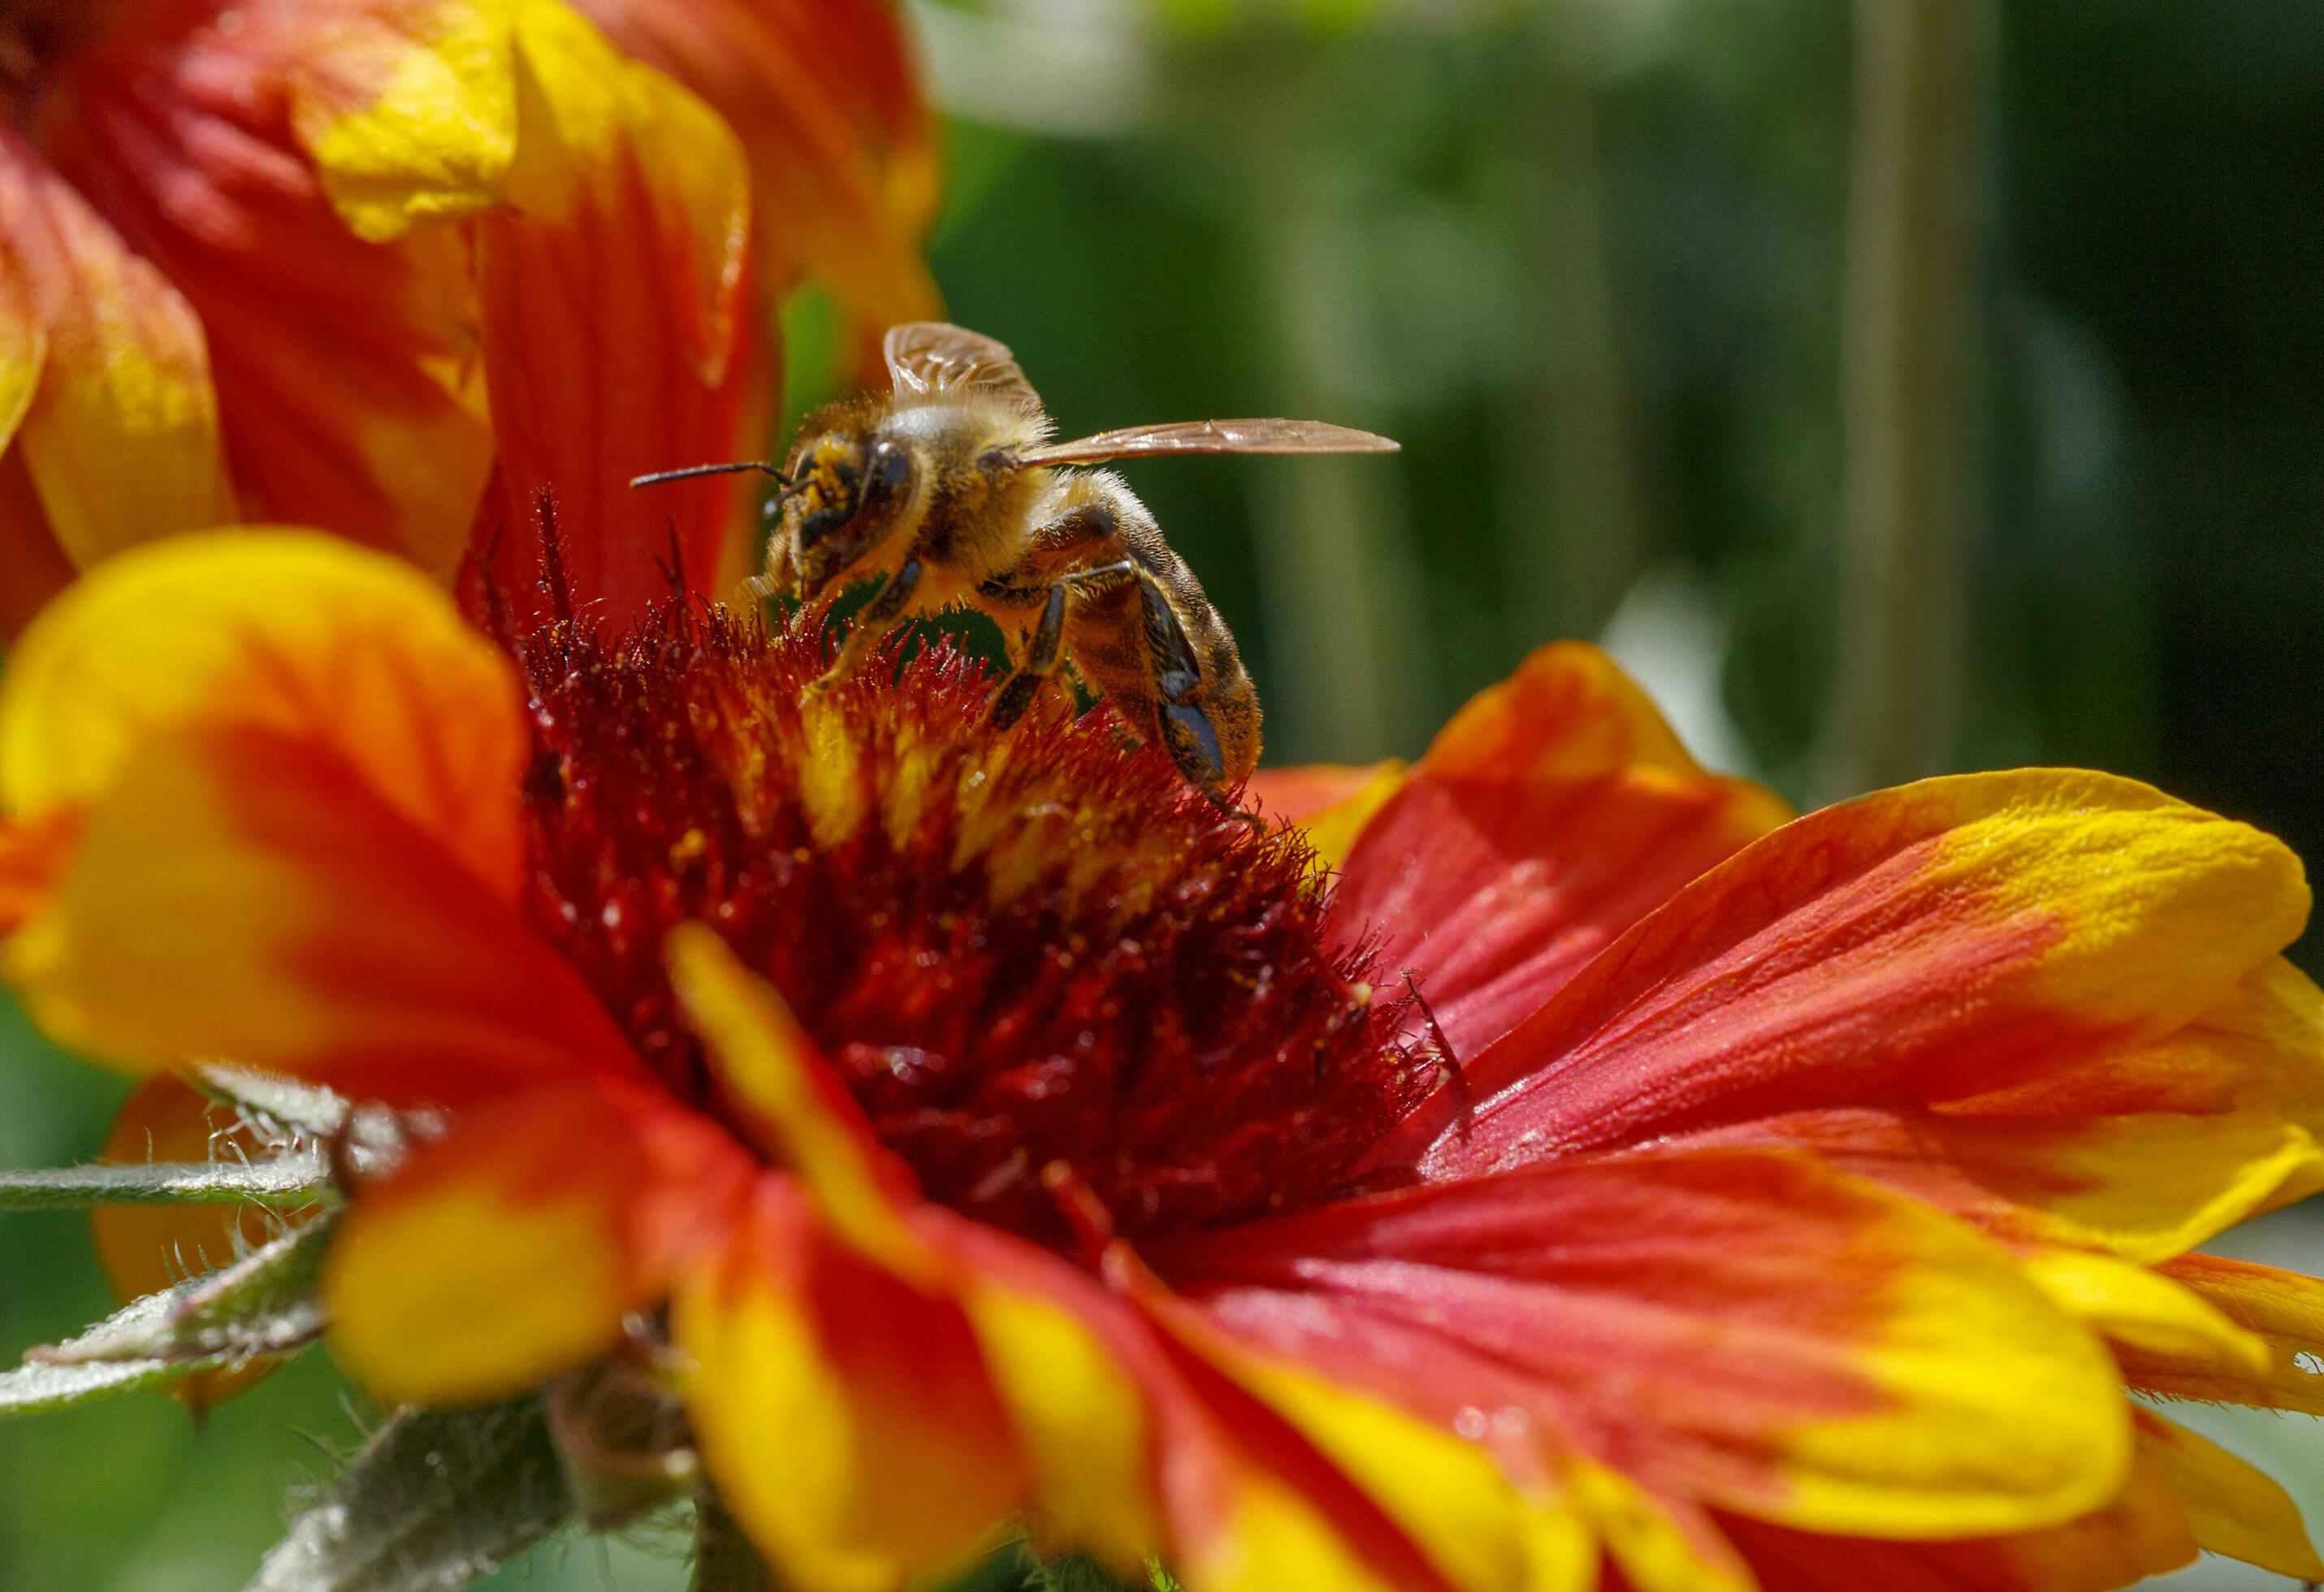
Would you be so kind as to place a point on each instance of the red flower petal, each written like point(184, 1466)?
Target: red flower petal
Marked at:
point(286, 773)
point(618, 334)
point(825, 99)
point(33, 857)
point(245, 894)
point(2144, 1532)
point(1554, 812)
point(123, 374)
point(2048, 999)
point(1329, 803)
point(845, 1411)
point(1266, 1475)
point(511, 1250)
point(290, 631)
point(1743, 1329)
point(344, 367)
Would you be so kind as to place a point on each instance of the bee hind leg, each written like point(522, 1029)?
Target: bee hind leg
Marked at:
point(1047, 650)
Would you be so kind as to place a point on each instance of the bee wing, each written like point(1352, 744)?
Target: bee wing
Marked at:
point(927, 357)
point(1210, 437)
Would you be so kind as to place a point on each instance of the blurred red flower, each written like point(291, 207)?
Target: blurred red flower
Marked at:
point(348, 263)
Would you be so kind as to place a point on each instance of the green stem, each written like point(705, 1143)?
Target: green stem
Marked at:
point(1906, 334)
point(283, 1182)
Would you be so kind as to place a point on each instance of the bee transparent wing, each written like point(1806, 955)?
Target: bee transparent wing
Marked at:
point(927, 357)
point(1210, 437)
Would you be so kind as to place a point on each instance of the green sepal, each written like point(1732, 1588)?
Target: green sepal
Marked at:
point(262, 1307)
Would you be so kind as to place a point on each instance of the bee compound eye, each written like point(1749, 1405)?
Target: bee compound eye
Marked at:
point(891, 471)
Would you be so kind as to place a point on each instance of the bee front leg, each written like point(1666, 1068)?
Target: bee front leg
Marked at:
point(1044, 652)
point(879, 616)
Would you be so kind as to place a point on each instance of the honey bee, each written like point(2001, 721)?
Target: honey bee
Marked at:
point(950, 490)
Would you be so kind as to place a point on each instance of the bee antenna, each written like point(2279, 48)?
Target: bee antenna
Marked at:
point(658, 476)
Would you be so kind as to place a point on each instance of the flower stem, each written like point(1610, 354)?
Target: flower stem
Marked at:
point(1906, 329)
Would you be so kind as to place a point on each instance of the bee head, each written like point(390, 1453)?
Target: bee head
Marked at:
point(847, 490)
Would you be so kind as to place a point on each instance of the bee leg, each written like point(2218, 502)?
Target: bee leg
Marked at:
point(1044, 652)
point(877, 618)
point(1187, 733)
point(1032, 672)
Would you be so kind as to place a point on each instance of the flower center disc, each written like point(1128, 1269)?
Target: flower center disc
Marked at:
point(1019, 948)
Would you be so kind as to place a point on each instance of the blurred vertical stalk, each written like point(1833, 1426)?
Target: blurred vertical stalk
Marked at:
point(1572, 537)
point(1345, 609)
point(1905, 330)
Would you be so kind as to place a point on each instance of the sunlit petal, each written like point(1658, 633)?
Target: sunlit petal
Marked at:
point(283, 631)
point(123, 373)
point(1745, 1329)
point(1554, 812)
point(2050, 1000)
point(511, 1249)
point(616, 336)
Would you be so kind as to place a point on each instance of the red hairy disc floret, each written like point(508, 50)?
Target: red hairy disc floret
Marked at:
point(1020, 948)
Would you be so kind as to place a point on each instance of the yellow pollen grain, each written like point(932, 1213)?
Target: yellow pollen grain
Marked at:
point(1088, 859)
point(905, 802)
point(751, 781)
point(980, 822)
point(1015, 862)
point(831, 774)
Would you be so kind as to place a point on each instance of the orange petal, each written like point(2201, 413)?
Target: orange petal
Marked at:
point(1554, 812)
point(24, 349)
point(511, 1249)
point(2144, 1532)
point(1077, 1413)
point(824, 96)
point(617, 339)
point(408, 108)
point(846, 1412)
point(2141, 1311)
point(246, 894)
point(2047, 999)
point(790, 1101)
point(1257, 1474)
point(2235, 1509)
point(345, 369)
point(1743, 1329)
point(1363, 1494)
point(1080, 1415)
point(125, 374)
point(1274, 1498)
point(351, 652)
point(1657, 1543)
point(144, 1248)
point(2284, 1310)
point(33, 857)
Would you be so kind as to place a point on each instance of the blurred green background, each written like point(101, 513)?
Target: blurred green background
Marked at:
point(1893, 395)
